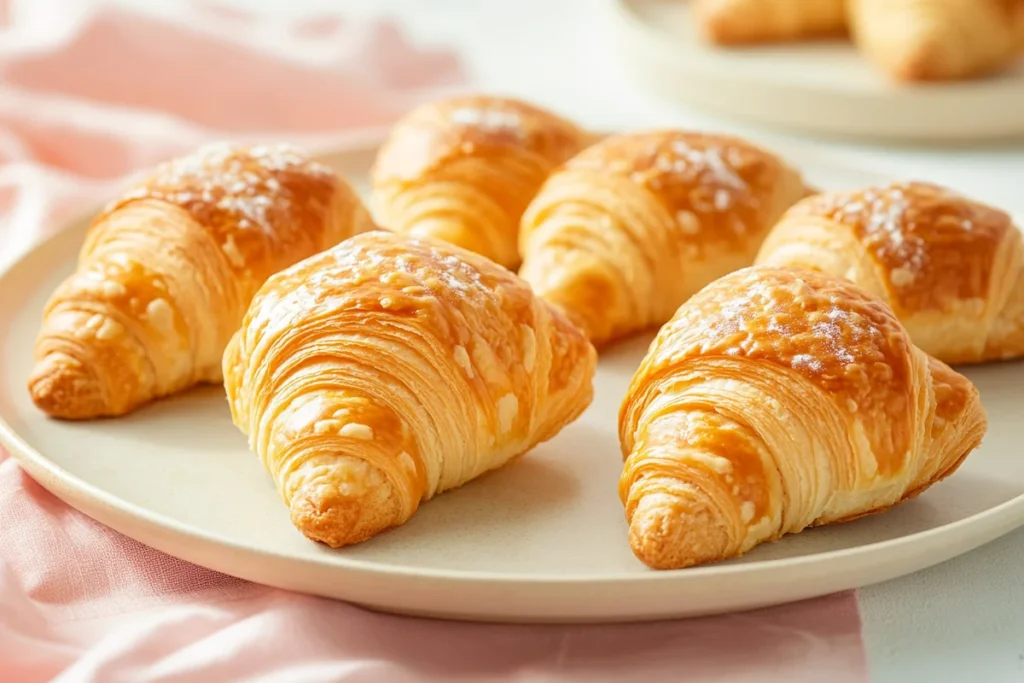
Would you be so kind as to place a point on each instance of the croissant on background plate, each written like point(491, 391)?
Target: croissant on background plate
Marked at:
point(952, 269)
point(627, 230)
point(464, 169)
point(377, 374)
point(776, 400)
point(925, 40)
point(910, 40)
point(168, 269)
point(755, 21)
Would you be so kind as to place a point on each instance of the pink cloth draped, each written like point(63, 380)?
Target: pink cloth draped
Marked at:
point(91, 94)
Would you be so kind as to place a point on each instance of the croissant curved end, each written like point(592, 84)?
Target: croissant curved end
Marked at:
point(353, 508)
point(64, 388)
point(668, 532)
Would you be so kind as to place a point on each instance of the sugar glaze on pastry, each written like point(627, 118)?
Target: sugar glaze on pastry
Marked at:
point(377, 374)
point(464, 169)
point(950, 267)
point(167, 270)
point(776, 400)
point(627, 230)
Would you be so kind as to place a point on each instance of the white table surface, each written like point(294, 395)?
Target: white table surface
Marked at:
point(963, 620)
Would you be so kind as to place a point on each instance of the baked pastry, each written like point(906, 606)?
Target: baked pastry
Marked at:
point(952, 269)
point(376, 375)
point(731, 22)
point(924, 40)
point(167, 270)
point(463, 170)
point(776, 400)
point(631, 227)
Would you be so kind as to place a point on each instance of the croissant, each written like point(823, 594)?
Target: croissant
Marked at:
point(923, 40)
point(760, 21)
point(952, 269)
point(167, 270)
point(463, 170)
point(634, 225)
point(376, 375)
point(776, 400)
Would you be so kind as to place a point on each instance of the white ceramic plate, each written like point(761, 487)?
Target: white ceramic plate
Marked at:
point(823, 87)
point(541, 540)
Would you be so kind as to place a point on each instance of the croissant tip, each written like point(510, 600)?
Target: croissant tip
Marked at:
point(345, 513)
point(63, 388)
point(667, 535)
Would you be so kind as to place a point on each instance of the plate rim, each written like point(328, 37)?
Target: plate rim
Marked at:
point(987, 524)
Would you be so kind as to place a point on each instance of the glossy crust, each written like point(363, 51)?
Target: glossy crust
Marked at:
point(951, 268)
point(732, 22)
point(463, 170)
point(167, 270)
point(628, 229)
point(924, 40)
point(375, 375)
point(776, 400)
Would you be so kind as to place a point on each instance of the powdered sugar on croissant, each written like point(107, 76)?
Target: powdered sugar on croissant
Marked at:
point(463, 170)
point(951, 268)
point(775, 400)
point(375, 375)
point(167, 270)
point(628, 229)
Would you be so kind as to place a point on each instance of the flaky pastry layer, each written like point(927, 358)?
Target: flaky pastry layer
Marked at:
point(167, 270)
point(464, 169)
point(627, 230)
point(952, 269)
point(375, 375)
point(779, 399)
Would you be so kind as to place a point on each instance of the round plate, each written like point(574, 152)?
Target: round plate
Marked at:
point(543, 539)
point(821, 87)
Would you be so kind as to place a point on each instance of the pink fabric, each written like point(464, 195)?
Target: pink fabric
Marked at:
point(92, 94)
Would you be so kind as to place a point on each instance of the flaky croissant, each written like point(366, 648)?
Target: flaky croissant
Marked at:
point(463, 170)
point(628, 229)
point(375, 375)
point(952, 269)
point(921, 40)
point(729, 22)
point(776, 400)
point(167, 270)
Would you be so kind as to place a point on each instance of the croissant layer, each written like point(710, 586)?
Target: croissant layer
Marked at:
point(776, 400)
point(464, 169)
point(628, 229)
point(952, 269)
point(389, 369)
point(167, 270)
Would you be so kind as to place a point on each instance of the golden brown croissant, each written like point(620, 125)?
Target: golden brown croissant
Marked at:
point(631, 227)
point(463, 170)
point(167, 270)
point(388, 369)
point(917, 40)
point(776, 400)
point(757, 21)
point(952, 269)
